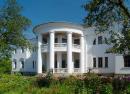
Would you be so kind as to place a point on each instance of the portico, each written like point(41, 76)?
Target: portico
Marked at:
point(61, 51)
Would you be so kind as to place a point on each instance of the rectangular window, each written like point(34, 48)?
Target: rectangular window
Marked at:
point(64, 40)
point(22, 49)
point(15, 51)
point(100, 62)
point(22, 64)
point(56, 40)
point(44, 40)
point(76, 41)
point(15, 64)
point(100, 40)
point(106, 62)
point(94, 62)
point(127, 61)
point(94, 42)
point(34, 64)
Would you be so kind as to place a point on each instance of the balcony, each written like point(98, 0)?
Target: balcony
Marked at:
point(60, 47)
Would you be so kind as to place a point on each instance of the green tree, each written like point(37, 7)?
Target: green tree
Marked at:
point(104, 14)
point(12, 26)
point(5, 65)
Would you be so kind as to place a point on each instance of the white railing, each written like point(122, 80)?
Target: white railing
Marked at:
point(76, 46)
point(77, 70)
point(45, 46)
point(60, 44)
point(60, 70)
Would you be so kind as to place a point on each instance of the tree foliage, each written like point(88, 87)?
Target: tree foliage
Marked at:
point(5, 65)
point(12, 26)
point(104, 14)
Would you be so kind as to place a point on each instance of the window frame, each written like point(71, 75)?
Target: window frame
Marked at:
point(34, 64)
point(100, 40)
point(106, 62)
point(94, 62)
point(22, 64)
point(94, 41)
point(15, 64)
point(127, 61)
point(100, 62)
point(22, 50)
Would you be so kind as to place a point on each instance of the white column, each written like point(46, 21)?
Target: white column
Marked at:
point(59, 59)
point(51, 50)
point(82, 61)
point(59, 54)
point(39, 55)
point(69, 52)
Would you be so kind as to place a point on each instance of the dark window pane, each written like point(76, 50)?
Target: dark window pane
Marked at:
point(76, 63)
point(33, 64)
point(94, 62)
point(56, 40)
point(22, 63)
point(100, 62)
point(127, 61)
point(100, 40)
point(106, 62)
point(64, 40)
point(22, 50)
point(76, 41)
point(15, 65)
point(94, 42)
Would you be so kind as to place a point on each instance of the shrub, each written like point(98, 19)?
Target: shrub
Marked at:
point(12, 82)
point(106, 89)
point(93, 82)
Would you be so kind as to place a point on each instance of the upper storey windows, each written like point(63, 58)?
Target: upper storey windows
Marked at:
point(19, 50)
point(100, 40)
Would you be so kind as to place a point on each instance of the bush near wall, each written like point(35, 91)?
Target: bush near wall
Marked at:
point(5, 65)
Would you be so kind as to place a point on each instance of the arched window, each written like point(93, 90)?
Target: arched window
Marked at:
point(100, 40)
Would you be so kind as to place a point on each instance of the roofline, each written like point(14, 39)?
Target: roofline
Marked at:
point(63, 22)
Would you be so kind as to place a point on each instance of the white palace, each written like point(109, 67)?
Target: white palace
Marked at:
point(64, 47)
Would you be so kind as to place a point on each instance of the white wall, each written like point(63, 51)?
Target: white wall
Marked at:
point(28, 56)
point(98, 50)
point(119, 67)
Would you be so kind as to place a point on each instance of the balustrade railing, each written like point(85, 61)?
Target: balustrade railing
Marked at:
point(77, 70)
point(60, 70)
point(60, 44)
point(76, 46)
point(45, 46)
